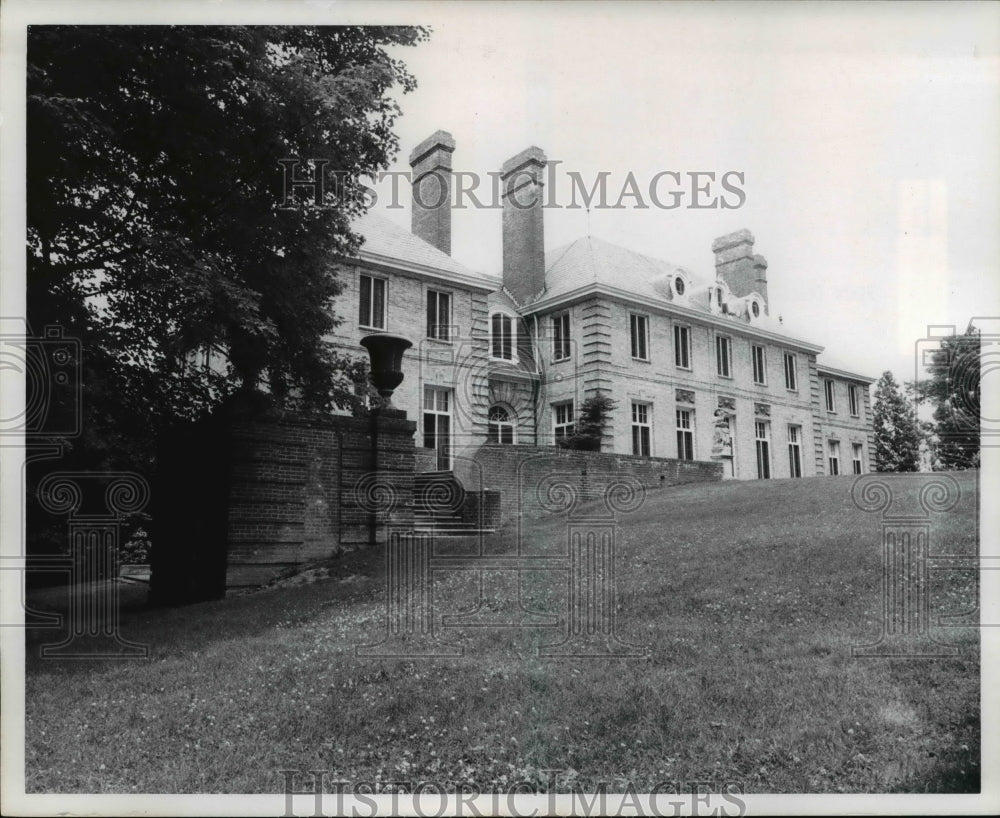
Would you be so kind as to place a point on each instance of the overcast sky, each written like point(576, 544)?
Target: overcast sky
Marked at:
point(867, 135)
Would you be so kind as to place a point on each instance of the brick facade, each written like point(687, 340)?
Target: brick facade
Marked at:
point(268, 495)
point(599, 287)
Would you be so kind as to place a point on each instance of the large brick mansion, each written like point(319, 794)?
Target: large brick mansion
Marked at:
point(698, 367)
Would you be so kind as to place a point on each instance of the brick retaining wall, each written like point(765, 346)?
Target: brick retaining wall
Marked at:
point(518, 472)
point(240, 501)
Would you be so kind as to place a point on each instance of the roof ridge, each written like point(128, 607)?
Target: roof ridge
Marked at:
point(565, 249)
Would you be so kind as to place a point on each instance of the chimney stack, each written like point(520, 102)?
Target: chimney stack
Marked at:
point(523, 234)
point(736, 264)
point(431, 165)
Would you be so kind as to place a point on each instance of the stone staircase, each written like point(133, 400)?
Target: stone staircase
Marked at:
point(439, 506)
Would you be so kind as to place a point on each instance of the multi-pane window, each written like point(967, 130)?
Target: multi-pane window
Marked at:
point(438, 315)
point(502, 336)
point(831, 405)
point(371, 303)
point(724, 355)
point(833, 456)
point(501, 425)
point(794, 451)
point(560, 337)
point(563, 421)
point(791, 375)
point(682, 346)
point(759, 364)
point(856, 462)
point(639, 330)
point(437, 424)
point(641, 429)
point(762, 439)
point(685, 435)
point(852, 399)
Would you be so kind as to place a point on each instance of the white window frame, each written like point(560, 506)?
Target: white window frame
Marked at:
point(439, 331)
point(370, 322)
point(435, 409)
point(682, 343)
point(561, 344)
point(634, 318)
point(684, 419)
point(791, 368)
point(857, 458)
point(727, 342)
point(499, 425)
point(830, 395)
point(568, 427)
point(853, 401)
point(512, 319)
point(642, 421)
point(833, 457)
point(794, 450)
point(762, 350)
point(762, 445)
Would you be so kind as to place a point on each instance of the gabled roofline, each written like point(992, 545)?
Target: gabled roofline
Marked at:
point(475, 282)
point(670, 308)
point(843, 373)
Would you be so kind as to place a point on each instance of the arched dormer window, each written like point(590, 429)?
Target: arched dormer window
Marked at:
point(755, 308)
point(502, 425)
point(503, 337)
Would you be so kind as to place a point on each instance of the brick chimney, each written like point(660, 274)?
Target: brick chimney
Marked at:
point(736, 264)
point(523, 234)
point(431, 165)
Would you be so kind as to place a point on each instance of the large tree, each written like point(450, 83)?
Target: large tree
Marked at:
point(952, 387)
point(157, 219)
point(897, 435)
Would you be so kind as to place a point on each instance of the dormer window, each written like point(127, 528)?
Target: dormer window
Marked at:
point(503, 337)
point(718, 296)
point(755, 309)
point(679, 285)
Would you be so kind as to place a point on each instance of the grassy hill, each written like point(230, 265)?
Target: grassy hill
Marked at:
point(747, 598)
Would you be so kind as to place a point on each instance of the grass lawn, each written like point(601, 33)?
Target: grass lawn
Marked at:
point(748, 596)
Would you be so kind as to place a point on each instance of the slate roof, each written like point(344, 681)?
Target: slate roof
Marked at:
point(595, 261)
point(590, 260)
point(385, 241)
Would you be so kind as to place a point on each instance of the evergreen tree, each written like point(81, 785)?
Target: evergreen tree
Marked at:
point(897, 434)
point(953, 388)
point(594, 415)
